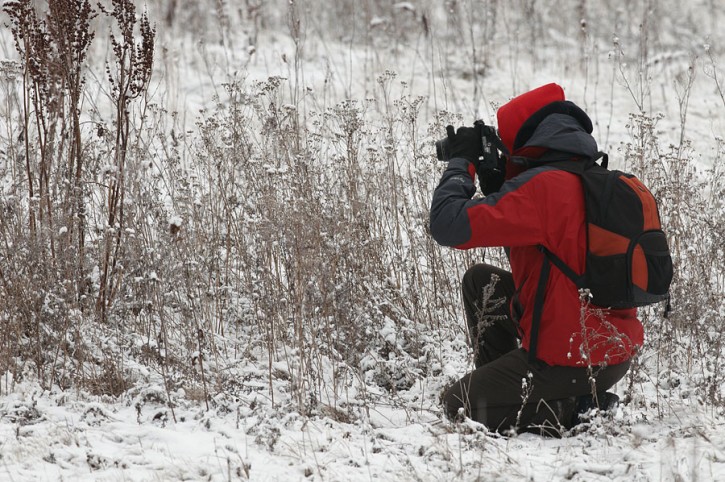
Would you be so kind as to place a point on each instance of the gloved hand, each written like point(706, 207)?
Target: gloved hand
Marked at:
point(491, 180)
point(465, 143)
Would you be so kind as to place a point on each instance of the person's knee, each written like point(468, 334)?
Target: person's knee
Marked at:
point(477, 275)
point(460, 400)
point(482, 274)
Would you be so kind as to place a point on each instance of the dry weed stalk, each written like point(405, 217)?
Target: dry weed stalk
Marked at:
point(289, 228)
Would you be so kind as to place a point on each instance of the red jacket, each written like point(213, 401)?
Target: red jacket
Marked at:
point(541, 206)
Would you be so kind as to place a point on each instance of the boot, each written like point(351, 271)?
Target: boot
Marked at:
point(607, 403)
point(553, 417)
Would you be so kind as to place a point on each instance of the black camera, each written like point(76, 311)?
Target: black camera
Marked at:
point(491, 165)
point(490, 142)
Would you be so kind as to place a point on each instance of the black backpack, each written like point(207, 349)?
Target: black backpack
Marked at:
point(628, 262)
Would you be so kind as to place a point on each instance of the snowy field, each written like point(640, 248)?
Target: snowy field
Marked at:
point(295, 406)
point(66, 436)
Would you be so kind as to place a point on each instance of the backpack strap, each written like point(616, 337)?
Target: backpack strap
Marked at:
point(604, 157)
point(549, 259)
point(538, 308)
point(564, 161)
point(578, 280)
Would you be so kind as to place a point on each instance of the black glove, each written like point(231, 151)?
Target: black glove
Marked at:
point(465, 143)
point(491, 180)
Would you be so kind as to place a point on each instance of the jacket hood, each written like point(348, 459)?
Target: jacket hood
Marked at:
point(563, 133)
point(541, 125)
point(515, 113)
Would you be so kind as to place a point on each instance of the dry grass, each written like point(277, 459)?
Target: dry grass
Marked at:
point(285, 230)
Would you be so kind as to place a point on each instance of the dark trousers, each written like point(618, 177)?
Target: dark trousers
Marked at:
point(505, 391)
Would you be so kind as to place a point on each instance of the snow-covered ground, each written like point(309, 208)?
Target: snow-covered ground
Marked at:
point(69, 436)
point(367, 431)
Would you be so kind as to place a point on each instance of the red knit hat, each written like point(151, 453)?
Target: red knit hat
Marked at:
point(512, 115)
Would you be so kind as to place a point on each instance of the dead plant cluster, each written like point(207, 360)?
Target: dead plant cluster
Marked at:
point(284, 237)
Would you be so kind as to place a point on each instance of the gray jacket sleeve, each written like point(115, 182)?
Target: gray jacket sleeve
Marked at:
point(449, 224)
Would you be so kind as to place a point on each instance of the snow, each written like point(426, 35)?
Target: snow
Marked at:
point(49, 436)
point(176, 221)
point(379, 420)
